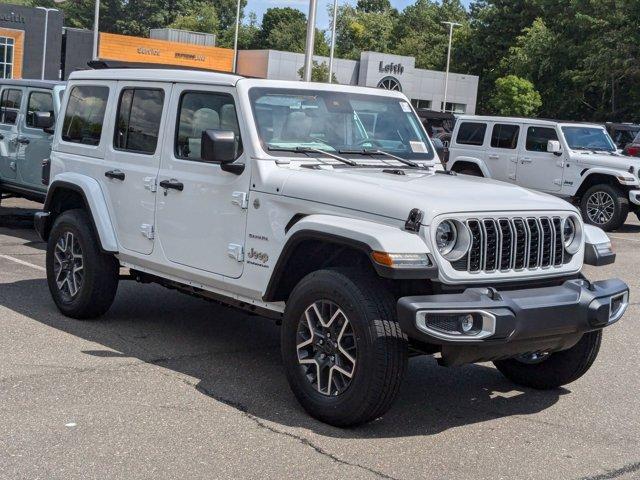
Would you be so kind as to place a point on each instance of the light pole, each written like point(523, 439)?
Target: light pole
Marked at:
point(235, 40)
point(311, 32)
point(333, 39)
point(96, 33)
point(446, 78)
point(46, 31)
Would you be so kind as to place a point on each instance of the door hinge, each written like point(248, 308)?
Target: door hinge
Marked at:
point(13, 166)
point(557, 181)
point(236, 252)
point(148, 231)
point(240, 199)
point(151, 184)
point(512, 176)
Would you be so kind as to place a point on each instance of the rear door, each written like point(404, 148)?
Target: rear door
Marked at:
point(502, 154)
point(469, 141)
point(11, 99)
point(37, 143)
point(132, 161)
point(537, 168)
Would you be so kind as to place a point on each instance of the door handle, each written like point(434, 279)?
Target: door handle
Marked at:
point(526, 160)
point(494, 156)
point(115, 175)
point(173, 184)
point(23, 140)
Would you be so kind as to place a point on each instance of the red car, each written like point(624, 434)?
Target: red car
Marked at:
point(633, 148)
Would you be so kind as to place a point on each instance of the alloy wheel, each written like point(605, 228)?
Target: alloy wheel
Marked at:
point(600, 207)
point(68, 265)
point(326, 348)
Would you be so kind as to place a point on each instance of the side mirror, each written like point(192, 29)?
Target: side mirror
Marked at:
point(43, 120)
point(221, 146)
point(553, 146)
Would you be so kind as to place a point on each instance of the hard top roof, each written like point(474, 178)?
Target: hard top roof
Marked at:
point(537, 121)
point(32, 83)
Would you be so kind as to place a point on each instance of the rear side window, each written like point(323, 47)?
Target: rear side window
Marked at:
point(471, 133)
point(10, 102)
point(200, 111)
point(505, 136)
point(538, 137)
point(139, 115)
point(85, 114)
point(39, 102)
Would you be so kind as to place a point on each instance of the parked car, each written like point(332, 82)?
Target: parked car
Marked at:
point(622, 134)
point(320, 206)
point(633, 149)
point(28, 110)
point(575, 161)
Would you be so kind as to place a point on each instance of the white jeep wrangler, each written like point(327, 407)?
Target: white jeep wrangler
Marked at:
point(318, 205)
point(572, 160)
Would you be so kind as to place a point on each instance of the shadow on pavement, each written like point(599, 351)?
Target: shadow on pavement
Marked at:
point(235, 359)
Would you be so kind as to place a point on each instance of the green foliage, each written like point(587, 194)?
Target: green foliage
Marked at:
point(370, 6)
point(202, 17)
point(319, 73)
point(516, 97)
point(286, 29)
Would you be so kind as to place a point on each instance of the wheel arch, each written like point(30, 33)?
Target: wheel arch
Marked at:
point(461, 163)
point(71, 191)
point(592, 177)
point(324, 241)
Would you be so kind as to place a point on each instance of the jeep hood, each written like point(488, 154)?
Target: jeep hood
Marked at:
point(393, 196)
point(613, 160)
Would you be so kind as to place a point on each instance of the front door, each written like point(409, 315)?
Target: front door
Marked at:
point(537, 168)
point(37, 143)
point(10, 113)
point(132, 162)
point(200, 216)
point(502, 156)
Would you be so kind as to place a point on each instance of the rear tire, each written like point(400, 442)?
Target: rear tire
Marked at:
point(373, 339)
point(605, 206)
point(558, 369)
point(82, 279)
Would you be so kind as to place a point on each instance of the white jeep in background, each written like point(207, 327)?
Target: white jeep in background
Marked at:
point(575, 161)
point(320, 206)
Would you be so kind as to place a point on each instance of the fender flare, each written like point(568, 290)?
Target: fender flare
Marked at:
point(615, 174)
point(362, 235)
point(91, 193)
point(476, 161)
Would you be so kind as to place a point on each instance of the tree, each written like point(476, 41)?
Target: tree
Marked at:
point(201, 18)
point(319, 73)
point(515, 96)
point(286, 29)
point(377, 6)
point(358, 31)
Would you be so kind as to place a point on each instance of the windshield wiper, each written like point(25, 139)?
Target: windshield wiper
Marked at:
point(313, 150)
point(365, 151)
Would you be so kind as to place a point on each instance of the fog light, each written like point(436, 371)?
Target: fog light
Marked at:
point(467, 323)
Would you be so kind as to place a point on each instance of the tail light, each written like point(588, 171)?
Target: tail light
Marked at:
point(634, 150)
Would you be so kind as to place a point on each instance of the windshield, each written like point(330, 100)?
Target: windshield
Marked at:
point(336, 122)
point(588, 138)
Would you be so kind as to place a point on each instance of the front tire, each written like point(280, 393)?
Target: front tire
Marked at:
point(343, 351)
point(82, 280)
point(556, 369)
point(605, 206)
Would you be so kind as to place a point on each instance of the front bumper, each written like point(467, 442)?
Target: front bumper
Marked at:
point(634, 197)
point(514, 322)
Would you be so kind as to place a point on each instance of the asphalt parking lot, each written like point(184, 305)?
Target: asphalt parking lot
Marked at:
point(167, 386)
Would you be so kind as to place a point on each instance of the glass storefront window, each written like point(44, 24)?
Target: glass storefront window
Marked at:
point(6, 57)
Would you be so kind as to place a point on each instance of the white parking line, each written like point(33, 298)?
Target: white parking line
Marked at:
point(625, 238)
point(22, 262)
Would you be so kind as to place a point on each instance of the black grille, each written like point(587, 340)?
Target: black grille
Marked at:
point(513, 244)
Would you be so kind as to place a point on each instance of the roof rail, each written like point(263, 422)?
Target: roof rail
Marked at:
point(109, 64)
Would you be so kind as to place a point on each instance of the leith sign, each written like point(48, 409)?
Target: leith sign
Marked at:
point(395, 68)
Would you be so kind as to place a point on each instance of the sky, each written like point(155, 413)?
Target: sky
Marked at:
point(260, 6)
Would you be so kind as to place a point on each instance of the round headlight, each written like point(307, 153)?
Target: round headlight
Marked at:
point(446, 236)
point(570, 235)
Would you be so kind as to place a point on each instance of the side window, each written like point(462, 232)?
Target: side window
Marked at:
point(200, 111)
point(10, 102)
point(471, 133)
point(538, 137)
point(138, 124)
point(505, 136)
point(85, 114)
point(39, 102)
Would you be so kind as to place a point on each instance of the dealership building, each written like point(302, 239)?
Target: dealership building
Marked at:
point(23, 47)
